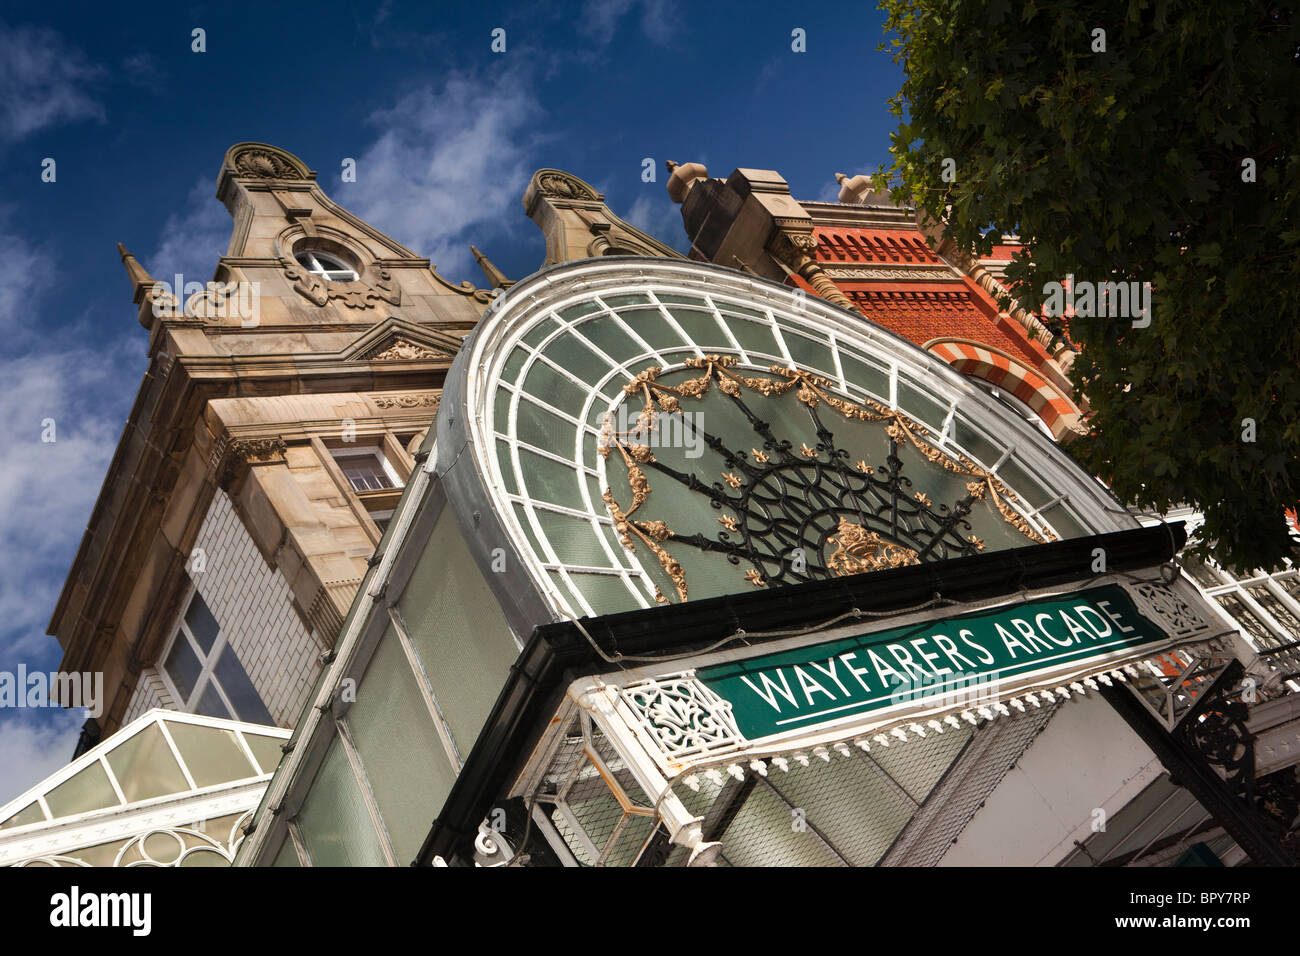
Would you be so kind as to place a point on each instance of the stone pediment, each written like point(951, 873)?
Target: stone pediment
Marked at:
point(396, 341)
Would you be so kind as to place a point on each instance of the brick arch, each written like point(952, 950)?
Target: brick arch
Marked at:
point(1057, 411)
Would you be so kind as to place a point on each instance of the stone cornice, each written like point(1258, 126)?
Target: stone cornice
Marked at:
point(877, 217)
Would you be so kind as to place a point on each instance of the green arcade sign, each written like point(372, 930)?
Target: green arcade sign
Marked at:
point(959, 658)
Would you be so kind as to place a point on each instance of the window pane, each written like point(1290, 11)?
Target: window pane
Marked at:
point(1290, 584)
point(145, 768)
point(761, 835)
point(210, 704)
point(918, 768)
point(287, 856)
point(88, 789)
point(213, 756)
point(554, 389)
point(1202, 573)
point(365, 473)
point(458, 630)
point(101, 854)
point(183, 667)
point(201, 623)
point(240, 690)
point(266, 750)
point(548, 480)
point(28, 814)
point(848, 801)
point(334, 821)
point(409, 771)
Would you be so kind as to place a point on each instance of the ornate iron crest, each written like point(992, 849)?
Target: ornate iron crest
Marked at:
point(1179, 618)
point(682, 716)
point(794, 515)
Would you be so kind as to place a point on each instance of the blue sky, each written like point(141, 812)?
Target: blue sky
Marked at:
point(445, 134)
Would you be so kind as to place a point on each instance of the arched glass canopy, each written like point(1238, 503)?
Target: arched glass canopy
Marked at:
point(648, 431)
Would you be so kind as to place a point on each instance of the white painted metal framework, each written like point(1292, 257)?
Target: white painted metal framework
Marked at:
point(545, 375)
point(169, 789)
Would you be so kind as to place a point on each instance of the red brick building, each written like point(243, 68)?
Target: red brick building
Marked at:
point(871, 256)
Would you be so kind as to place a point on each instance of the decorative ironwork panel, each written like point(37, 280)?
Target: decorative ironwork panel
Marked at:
point(682, 716)
point(1162, 603)
point(798, 514)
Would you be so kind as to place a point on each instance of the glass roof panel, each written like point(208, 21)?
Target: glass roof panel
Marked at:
point(88, 789)
point(145, 768)
point(653, 328)
point(28, 814)
point(287, 856)
point(266, 750)
point(212, 755)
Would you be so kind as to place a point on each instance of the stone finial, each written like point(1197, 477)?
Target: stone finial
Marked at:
point(855, 189)
point(683, 177)
point(141, 281)
point(495, 277)
point(146, 291)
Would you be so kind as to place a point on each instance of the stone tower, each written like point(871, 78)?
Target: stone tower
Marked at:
point(269, 441)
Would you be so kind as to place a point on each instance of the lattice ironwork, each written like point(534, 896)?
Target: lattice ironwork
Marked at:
point(1217, 732)
point(795, 515)
point(682, 716)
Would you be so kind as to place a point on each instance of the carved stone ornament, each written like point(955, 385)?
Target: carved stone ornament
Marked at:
point(247, 451)
point(795, 250)
point(264, 164)
point(402, 349)
point(408, 401)
point(563, 186)
point(354, 295)
point(257, 449)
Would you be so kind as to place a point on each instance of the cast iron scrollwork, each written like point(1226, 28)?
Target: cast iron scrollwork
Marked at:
point(799, 514)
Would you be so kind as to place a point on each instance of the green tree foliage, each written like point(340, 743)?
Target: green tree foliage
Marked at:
point(1130, 164)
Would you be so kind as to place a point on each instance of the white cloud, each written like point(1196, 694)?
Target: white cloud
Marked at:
point(660, 217)
point(830, 192)
point(30, 752)
point(449, 167)
point(142, 70)
point(193, 238)
point(772, 70)
point(600, 19)
point(44, 81)
point(28, 268)
point(47, 489)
